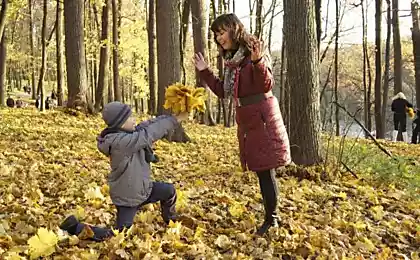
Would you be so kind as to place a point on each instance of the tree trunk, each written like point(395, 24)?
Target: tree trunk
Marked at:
point(75, 56)
point(3, 13)
point(59, 52)
point(285, 90)
point(258, 19)
point(103, 56)
point(251, 13)
point(199, 32)
point(282, 68)
point(303, 79)
point(212, 14)
point(318, 7)
point(44, 55)
point(3, 54)
point(365, 85)
point(186, 8)
point(152, 57)
point(386, 69)
point(115, 57)
point(397, 48)
point(110, 89)
point(380, 131)
point(31, 46)
point(337, 30)
point(271, 24)
point(168, 50)
point(416, 47)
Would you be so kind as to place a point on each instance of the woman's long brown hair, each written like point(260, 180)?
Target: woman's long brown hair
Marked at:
point(231, 24)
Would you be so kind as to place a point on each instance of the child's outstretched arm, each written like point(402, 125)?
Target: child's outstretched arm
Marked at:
point(148, 122)
point(144, 136)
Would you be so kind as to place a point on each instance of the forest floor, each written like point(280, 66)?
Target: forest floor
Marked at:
point(50, 167)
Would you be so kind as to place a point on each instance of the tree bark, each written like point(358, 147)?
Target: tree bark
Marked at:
point(380, 131)
point(3, 54)
point(386, 68)
point(397, 48)
point(271, 25)
point(3, 12)
point(151, 35)
point(258, 19)
point(75, 56)
point(168, 55)
point(167, 47)
point(416, 47)
point(199, 32)
point(337, 32)
point(251, 13)
point(103, 56)
point(31, 46)
point(43, 54)
point(318, 6)
point(186, 10)
point(115, 52)
point(59, 52)
point(303, 79)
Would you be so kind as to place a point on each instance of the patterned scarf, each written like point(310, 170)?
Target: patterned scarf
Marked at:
point(232, 71)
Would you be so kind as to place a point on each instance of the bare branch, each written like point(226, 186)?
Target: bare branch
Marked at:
point(364, 129)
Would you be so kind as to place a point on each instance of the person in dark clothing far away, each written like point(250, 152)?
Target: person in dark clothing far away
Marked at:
point(10, 102)
point(399, 106)
point(53, 95)
point(47, 103)
point(131, 187)
point(248, 79)
point(38, 102)
point(415, 138)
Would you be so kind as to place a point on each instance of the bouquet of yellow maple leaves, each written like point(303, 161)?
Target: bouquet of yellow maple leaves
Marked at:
point(180, 98)
point(410, 112)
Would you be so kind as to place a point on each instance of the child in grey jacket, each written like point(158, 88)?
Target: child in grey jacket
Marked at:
point(130, 152)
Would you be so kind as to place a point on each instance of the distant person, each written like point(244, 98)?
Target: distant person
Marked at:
point(10, 102)
point(20, 103)
point(399, 106)
point(415, 138)
point(47, 103)
point(53, 95)
point(38, 102)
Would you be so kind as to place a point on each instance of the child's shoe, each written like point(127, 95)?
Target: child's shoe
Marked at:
point(70, 225)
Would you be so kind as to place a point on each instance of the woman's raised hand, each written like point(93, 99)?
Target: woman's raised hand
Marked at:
point(257, 48)
point(199, 62)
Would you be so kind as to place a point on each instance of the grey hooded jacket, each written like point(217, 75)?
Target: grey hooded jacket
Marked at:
point(129, 181)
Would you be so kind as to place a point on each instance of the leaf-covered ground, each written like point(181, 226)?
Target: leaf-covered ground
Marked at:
point(50, 167)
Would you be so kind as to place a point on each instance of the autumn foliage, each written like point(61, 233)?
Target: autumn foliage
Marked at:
point(50, 167)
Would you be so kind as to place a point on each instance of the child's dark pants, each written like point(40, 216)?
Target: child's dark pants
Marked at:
point(416, 135)
point(161, 191)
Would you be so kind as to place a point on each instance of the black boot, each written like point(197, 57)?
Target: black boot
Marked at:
point(269, 193)
point(70, 225)
point(268, 223)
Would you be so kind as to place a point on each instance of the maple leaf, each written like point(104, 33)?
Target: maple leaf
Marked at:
point(223, 242)
point(43, 243)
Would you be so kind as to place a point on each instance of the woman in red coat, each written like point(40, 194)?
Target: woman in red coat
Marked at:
point(263, 140)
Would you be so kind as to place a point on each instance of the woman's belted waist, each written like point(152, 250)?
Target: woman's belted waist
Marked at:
point(254, 99)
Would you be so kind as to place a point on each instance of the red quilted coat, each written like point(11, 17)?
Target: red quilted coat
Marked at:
point(263, 140)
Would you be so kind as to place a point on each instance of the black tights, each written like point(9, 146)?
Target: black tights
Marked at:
point(269, 191)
